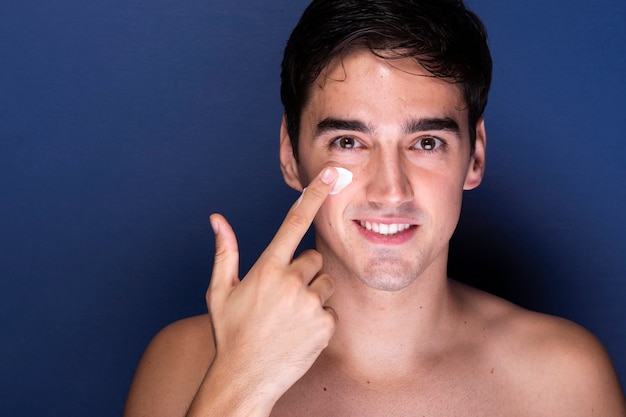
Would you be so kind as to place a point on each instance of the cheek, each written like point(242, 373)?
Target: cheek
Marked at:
point(330, 215)
point(444, 194)
point(448, 200)
point(326, 212)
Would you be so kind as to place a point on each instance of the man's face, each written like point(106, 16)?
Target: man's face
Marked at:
point(404, 136)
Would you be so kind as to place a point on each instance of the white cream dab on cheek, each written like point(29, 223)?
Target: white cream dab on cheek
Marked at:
point(344, 178)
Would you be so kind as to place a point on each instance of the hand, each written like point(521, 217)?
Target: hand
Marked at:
point(270, 327)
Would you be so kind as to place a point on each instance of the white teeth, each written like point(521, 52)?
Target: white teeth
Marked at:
point(384, 229)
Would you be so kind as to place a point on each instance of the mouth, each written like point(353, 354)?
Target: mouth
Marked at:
point(385, 229)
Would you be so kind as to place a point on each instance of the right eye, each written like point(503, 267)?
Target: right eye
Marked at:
point(347, 142)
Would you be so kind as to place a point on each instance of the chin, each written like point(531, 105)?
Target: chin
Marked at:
point(389, 277)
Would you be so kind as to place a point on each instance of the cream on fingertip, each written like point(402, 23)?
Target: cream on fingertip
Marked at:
point(343, 180)
point(299, 200)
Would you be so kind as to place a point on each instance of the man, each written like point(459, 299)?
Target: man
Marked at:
point(368, 324)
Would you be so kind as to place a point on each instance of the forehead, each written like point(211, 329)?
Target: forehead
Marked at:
point(382, 85)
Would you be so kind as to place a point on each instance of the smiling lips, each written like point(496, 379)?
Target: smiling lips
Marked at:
point(383, 228)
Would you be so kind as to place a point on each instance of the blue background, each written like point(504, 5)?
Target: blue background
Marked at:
point(124, 124)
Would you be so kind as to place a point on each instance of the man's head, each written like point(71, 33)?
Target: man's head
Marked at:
point(444, 37)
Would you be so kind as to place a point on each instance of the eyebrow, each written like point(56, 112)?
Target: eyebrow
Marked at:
point(440, 124)
point(330, 124)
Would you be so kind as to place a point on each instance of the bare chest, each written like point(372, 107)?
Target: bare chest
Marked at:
point(449, 395)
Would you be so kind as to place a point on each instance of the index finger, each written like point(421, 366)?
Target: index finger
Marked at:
point(301, 215)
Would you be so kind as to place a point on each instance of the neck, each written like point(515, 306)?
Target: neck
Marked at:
point(380, 332)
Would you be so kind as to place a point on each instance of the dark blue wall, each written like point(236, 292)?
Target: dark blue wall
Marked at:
point(124, 124)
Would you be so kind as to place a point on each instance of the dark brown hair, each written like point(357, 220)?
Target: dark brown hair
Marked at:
point(443, 36)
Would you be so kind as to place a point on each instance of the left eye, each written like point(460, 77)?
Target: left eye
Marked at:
point(428, 144)
point(347, 142)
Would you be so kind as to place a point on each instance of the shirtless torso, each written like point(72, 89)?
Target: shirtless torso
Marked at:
point(504, 364)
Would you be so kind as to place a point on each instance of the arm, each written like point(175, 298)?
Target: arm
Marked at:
point(264, 332)
point(171, 369)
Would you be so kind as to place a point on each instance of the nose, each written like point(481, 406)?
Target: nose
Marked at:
point(388, 184)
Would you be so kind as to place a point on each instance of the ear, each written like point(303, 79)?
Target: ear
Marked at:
point(288, 163)
point(476, 168)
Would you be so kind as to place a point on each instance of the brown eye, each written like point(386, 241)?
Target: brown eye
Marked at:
point(428, 144)
point(346, 142)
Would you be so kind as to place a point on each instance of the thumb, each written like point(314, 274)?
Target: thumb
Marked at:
point(225, 273)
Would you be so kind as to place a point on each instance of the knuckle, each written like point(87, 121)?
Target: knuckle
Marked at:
point(314, 300)
point(316, 193)
point(313, 256)
point(267, 270)
point(298, 220)
point(221, 254)
point(326, 279)
point(293, 283)
point(310, 261)
point(267, 263)
point(328, 323)
point(325, 285)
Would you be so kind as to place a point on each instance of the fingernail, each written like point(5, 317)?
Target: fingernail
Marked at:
point(345, 178)
point(328, 175)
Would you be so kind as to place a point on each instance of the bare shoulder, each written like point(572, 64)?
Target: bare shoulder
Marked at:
point(171, 369)
point(556, 364)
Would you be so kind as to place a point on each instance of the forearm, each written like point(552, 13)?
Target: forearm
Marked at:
point(228, 393)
